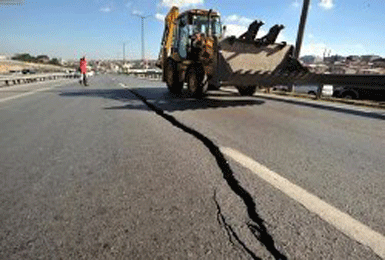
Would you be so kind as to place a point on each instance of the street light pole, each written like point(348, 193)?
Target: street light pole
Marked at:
point(142, 17)
point(124, 52)
point(124, 55)
point(142, 20)
point(301, 28)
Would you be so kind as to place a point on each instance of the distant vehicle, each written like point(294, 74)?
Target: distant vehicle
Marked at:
point(90, 73)
point(15, 71)
point(28, 71)
point(327, 90)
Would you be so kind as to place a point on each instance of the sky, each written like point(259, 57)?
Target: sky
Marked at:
point(69, 29)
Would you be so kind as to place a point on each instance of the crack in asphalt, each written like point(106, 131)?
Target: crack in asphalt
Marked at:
point(230, 231)
point(257, 226)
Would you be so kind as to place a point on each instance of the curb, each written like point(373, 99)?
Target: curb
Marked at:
point(359, 108)
point(363, 103)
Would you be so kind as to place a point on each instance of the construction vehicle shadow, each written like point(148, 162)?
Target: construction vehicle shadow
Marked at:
point(161, 98)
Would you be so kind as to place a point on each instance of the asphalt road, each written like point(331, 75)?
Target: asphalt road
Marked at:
point(124, 170)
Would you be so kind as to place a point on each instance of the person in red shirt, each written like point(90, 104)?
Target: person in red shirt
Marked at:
point(83, 70)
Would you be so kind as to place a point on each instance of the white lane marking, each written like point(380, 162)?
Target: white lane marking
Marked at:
point(122, 85)
point(342, 221)
point(27, 93)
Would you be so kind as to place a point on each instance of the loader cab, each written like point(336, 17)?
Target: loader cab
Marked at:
point(182, 36)
point(201, 24)
point(191, 23)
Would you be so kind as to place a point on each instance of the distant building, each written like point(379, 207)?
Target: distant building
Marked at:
point(379, 63)
point(334, 58)
point(308, 59)
point(350, 70)
point(317, 68)
point(370, 71)
point(369, 58)
point(4, 57)
point(126, 66)
point(338, 68)
point(353, 58)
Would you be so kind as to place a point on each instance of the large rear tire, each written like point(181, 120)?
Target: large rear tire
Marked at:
point(196, 82)
point(349, 95)
point(247, 91)
point(173, 82)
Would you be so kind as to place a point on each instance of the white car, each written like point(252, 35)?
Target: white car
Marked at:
point(327, 90)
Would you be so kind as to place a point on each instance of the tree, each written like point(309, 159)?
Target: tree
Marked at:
point(24, 57)
point(42, 58)
point(54, 61)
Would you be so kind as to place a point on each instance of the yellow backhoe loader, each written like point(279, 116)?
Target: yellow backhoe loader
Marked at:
point(194, 51)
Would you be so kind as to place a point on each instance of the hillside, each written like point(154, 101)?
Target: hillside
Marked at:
point(11, 65)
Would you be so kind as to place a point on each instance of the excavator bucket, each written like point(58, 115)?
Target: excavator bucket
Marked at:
point(243, 63)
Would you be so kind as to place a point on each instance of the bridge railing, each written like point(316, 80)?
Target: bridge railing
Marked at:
point(150, 74)
point(24, 79)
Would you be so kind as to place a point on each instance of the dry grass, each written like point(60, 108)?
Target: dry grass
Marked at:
point(8, 65)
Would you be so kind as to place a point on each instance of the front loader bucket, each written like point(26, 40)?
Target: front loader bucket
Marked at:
point(242, 63)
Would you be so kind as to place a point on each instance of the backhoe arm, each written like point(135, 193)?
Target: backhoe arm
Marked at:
point(168, 35)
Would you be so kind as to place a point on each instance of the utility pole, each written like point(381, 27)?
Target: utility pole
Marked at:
point(142, 17)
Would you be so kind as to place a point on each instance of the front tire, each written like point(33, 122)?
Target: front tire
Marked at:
point(174, 85)
point(196, 82)
point(349, 95)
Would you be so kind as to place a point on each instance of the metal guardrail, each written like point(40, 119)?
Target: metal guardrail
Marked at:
point(157, 75)
point(23, 79)
point(246, 78)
